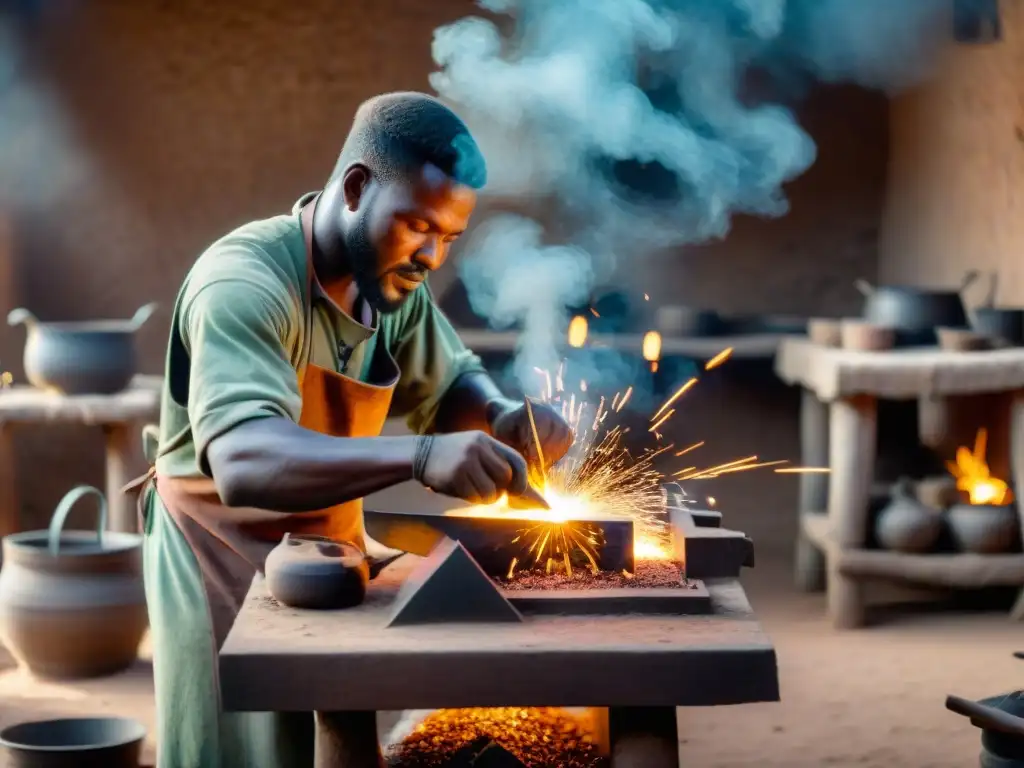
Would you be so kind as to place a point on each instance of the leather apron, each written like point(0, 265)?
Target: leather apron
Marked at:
point(231, 544)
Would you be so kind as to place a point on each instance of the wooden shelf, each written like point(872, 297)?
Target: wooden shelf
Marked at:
point(753, 346)
point(942, 570)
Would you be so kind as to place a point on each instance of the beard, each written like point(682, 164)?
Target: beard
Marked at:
point(363, 263)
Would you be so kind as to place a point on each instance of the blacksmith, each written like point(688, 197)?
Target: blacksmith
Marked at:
point(292, 339)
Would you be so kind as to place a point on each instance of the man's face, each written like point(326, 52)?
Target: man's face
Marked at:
point(402, 231)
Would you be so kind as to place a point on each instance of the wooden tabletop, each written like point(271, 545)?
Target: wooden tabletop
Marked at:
point(898, 373)
point(281, 659)
point(140, 401)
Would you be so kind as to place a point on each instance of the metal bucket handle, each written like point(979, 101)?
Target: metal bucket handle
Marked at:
point(60, 515)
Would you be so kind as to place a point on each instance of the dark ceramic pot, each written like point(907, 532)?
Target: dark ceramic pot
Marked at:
point(86, 742)
point(95, 358)
point(907, 525)
point(72, 603)
point(914, 313)
point(316, 572)
point(984, 529)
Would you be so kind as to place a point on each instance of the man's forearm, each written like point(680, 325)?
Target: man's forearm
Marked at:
point(273, 463)
point(472, 402)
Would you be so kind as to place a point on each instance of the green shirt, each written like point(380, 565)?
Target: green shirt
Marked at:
point(239, 337)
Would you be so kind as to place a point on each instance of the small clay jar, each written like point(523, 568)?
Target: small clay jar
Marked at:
point(907, 525)
point(984, 529)
point(866, 337)
point(962, 340)
point(825, 331)
point(317, 572)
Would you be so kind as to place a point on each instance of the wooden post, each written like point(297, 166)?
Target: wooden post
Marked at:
point(809, 562)
point(853, 423)
point(119, 463)
point(1017, 468)
point(347, 740)
point(643, 737)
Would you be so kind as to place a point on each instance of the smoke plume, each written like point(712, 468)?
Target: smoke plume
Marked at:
point(646, 124)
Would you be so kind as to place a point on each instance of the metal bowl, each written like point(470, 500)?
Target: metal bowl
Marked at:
point(80, 742)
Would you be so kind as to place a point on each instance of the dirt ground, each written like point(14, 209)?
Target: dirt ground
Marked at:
point(867, 698)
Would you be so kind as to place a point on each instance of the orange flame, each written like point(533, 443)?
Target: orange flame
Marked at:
point(652, 346)
point(973, 475)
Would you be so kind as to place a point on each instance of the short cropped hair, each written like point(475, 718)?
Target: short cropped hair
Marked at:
point(396, 134)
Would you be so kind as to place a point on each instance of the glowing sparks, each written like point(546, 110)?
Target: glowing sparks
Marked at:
point(536, 443)
point(578, 331)
point(718, 359)
point(679, 393)
point(651, 346)
point(693, 447)
point(661, 421)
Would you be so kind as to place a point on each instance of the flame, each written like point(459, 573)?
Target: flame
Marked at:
point(578, 331)
point(652, 346)
point(973, 475)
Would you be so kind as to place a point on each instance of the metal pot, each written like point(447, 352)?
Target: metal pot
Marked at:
point(915, 313)
point(94, 358)
point(72, 603)
point(81, 742)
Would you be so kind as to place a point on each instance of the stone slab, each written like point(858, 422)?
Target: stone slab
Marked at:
point(897, 374)
point(282, 659)
point(689, 600)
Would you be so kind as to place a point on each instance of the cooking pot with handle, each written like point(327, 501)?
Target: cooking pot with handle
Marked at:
point(914, 313)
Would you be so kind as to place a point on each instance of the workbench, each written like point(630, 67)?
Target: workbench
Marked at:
point(838, 429)
point(121, 416)
point(347, 665)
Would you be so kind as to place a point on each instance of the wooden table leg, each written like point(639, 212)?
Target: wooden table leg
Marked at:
point(347, 740)
point(853, 427)
point(10, 521)
point(1017, 470)
point(119, 464)
point(809, 565)
point(643, 737)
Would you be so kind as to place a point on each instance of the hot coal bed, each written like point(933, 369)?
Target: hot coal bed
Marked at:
point(526, 668)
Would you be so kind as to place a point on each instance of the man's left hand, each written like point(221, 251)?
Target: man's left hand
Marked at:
point(512, 427)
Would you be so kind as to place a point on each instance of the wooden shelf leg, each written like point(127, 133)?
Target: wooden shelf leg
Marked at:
point(809, 561)
point(119, 464)
point(643, 737)
point(853, 424)
point(347, 740)
point(10, 521)
point(1017, 470)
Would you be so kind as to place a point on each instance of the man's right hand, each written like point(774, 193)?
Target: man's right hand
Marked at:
point(475, 467)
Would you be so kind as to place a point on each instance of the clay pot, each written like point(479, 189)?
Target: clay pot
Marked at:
point(915, 312)
point(865, 336)
point(72, 603)
point(825, 331)
point(316, 572)
point(962, 340)
point(907, 525)
point(984, 529)
point(80, 742)
point(96, 358)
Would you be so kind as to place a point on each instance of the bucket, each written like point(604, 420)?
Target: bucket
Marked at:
point(81, 742)
point(72, 603)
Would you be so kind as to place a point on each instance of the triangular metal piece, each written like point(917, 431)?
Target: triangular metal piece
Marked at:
point(449, 586)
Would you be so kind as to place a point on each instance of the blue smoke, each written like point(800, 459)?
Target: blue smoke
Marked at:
point(647, 124)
